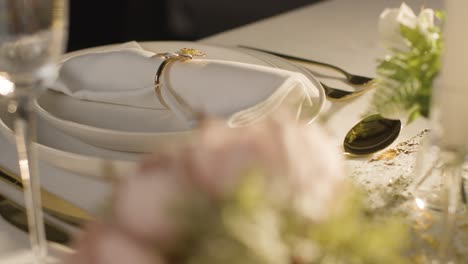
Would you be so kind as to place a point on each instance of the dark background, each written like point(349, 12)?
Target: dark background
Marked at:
point(99, 22)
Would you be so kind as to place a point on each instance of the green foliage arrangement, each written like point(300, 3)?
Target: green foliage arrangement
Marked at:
point(405, 77)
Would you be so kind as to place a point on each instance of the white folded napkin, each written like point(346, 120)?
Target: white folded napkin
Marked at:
point(243, 93)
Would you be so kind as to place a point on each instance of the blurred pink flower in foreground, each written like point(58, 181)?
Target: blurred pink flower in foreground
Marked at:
point(212, 164)
point(103, 243)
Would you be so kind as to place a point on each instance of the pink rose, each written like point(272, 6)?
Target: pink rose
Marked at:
point(213, 163)
point(145, 204)
point(102, 243)
point(150, 208)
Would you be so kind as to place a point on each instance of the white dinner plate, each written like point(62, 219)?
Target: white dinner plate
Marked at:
point(141, 130)
point(62, 141)
point(66, 152)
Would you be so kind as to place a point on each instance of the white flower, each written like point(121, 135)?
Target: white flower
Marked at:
point(391, 20)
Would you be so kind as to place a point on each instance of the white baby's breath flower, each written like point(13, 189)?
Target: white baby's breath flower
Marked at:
point(260, 233)
point(391, 20)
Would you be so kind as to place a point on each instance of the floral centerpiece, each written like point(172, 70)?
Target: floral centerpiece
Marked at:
point(405, 76)
point(275, 192)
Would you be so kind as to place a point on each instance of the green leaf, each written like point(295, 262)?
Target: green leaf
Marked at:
point(405, 78)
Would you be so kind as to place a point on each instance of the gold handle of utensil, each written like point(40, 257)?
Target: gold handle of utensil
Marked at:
point(16, 215)
point(52, 204)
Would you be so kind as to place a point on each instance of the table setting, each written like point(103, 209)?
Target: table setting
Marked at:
point(282, 141)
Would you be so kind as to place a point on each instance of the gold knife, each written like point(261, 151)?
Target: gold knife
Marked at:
point(51, 203)
point(15, 214)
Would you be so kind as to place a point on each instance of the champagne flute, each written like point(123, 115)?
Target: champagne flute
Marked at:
point(32, 38)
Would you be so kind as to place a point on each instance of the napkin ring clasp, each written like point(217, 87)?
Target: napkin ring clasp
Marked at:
point(182, 55)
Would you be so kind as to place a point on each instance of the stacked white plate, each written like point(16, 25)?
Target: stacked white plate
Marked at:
point(86, 138)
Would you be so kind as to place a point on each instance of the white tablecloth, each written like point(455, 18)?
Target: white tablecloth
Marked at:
point(339, 32)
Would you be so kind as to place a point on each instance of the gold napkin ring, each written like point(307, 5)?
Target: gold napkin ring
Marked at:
point(182, 55)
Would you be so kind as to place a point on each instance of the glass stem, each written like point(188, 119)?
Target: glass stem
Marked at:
point(452, 176)
point(25, 130)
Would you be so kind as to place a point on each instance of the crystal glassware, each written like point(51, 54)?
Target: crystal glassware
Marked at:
point(32, 38)
point(441, 171)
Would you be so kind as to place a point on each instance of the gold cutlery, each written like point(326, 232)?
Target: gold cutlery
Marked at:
point(351, 78)
point(15, 214)
point(334, 94)
point(52, 204)
point(369, 135)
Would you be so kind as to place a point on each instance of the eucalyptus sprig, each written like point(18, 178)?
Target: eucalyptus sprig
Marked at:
point(405, 77)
